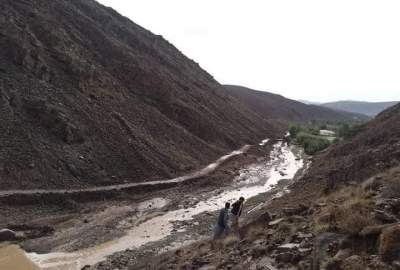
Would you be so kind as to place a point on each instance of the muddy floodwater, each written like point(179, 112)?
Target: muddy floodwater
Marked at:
point(14, 258)
point(251, 181)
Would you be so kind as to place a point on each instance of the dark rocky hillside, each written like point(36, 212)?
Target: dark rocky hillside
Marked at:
point(277, 107)
point(89, 98)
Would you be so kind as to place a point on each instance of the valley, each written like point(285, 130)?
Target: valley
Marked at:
point(117, 152)
point(173, 221)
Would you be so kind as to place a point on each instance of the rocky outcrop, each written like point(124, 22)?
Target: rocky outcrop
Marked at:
point(7, 235)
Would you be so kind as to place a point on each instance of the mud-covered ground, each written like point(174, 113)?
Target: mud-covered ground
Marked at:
point(66, 224)
point(199, 227)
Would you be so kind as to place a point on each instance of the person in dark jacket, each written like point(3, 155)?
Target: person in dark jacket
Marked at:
point(222, 227)
point(236, 211)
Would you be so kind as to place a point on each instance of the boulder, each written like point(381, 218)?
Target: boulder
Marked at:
point(389, 247)
point(7, 235)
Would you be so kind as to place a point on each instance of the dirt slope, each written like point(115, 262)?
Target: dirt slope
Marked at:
point(89, 98)
point(273, 106)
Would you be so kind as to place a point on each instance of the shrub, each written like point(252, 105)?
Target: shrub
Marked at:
point(311, 143)
point(347, 131)
point(294, 130)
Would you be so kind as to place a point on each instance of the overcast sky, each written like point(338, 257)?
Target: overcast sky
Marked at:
point(315, 50)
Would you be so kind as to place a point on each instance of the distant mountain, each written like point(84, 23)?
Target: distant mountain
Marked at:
point(367, 108)
point(309, 102)
point(277, 107)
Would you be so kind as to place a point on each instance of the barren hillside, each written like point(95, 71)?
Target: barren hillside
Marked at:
point(277, 107)
point(88, 98)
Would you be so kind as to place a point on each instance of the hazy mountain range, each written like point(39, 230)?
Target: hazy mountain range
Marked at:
point(362, 107)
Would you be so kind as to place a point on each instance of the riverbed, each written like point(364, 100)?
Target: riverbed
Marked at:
point(152, 226)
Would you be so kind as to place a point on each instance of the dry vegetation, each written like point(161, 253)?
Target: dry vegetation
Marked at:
point(347, 211)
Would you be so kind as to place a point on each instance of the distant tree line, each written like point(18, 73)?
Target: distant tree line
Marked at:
point(308, 136)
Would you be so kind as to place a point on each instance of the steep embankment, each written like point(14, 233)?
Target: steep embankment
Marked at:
point(367, 108)
point(277, 107)
point(89, 98)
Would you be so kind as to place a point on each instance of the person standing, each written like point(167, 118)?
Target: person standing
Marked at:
point(236, 211)
point(222, 227)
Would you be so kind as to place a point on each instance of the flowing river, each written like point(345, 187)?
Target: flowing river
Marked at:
point(252, 180)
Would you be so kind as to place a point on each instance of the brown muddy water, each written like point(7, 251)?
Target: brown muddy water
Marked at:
point(253, 180)
point(14, 258)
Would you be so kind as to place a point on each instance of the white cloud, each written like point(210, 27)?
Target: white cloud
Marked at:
point(318, 50)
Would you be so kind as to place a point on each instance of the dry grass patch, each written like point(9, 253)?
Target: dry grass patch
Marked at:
point(348, 211)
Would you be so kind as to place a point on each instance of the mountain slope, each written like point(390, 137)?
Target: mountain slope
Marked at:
point(361, 107)
point(375, 149)
point(89, 98)
point(273, 106)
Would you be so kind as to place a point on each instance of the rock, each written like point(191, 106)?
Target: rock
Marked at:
point(374, 230)
point(396, 265)
point(322, 249)
point(208, 267)
point(304, 235)
point(372, 183)
point(333, 264)
point(304, 265)
point(343, 254)
point(305, 251)
point(276, 222)
point(289, 246)
point(258, 251)
point(266, 263)
point(384, 216)
point(259, 242)
point(270, 232)
point(354, 262)
point(285, 257)
point(305, 243)
point(7, 235)
point(375, 263)
point(295, 210)
point(389, 247)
